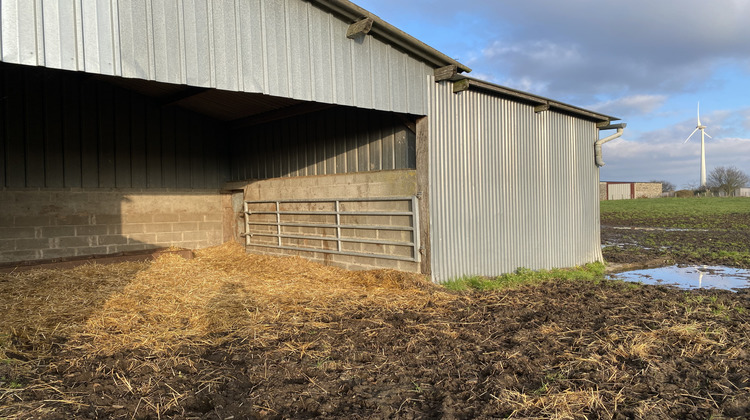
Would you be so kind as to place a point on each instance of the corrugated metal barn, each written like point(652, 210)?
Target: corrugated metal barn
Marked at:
point(299, 127)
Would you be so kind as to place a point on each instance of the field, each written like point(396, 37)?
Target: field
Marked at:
point(714, 231)
point(231, 335)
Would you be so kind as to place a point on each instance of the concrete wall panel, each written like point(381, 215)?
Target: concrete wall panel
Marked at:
point(51, 224)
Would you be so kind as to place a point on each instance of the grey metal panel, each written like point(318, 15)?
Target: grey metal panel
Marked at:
point(167, 48)
point(224, 45)
point(381, 89)
point(286, 48)
point(195, 32)
point(337, 140)
point(298, 49)
point(398, 79)
point(98, 32)
point(275, 43)
point(135, 39)
point(321, 55)
point(19, 35)
point(60, 38)
point(343, 73)
point(63, 130)
point(250, 39)
point(509, 187)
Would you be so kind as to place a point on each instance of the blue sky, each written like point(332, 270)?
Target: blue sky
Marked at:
point(648, 62)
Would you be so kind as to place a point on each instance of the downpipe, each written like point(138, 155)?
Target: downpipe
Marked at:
point(598, 145)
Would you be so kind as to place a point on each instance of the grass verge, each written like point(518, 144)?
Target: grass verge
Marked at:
point(525, 276)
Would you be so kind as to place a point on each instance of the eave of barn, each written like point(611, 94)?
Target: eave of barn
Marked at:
point(286, 48)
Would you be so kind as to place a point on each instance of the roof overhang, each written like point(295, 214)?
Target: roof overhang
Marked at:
point(391, 34)
point(540, 103)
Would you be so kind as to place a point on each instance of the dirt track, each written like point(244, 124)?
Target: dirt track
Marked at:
point(377, 345)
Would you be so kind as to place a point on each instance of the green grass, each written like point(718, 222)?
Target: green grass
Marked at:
point(525, 276)
point(715, 232)
point(688, 213)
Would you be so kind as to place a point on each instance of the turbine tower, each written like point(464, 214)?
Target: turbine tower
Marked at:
point(702, 128)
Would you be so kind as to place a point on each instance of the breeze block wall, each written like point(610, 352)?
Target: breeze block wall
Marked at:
point(397, 183)
point(48, 224)
point(647, 189)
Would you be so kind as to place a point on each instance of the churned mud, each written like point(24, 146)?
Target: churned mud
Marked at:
point(229, 335)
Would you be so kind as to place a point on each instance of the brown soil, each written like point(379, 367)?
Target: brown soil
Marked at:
point(228, 335)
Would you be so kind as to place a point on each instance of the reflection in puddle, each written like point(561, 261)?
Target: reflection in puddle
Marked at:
point(690, 277)
point(660, 229)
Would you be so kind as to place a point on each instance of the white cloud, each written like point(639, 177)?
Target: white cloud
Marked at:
point(628, 105)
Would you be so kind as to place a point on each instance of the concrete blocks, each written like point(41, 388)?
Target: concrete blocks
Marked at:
point(395, 184)
point(52, 224)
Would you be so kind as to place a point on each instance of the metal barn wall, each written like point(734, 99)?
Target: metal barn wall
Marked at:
point(334, 141)
point(509, 187)
point(287, 48)
point(65, 130)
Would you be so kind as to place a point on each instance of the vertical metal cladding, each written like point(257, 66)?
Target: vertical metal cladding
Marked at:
point(333, 141)
point(287, 48)
point(65, 130)
point(509, 187)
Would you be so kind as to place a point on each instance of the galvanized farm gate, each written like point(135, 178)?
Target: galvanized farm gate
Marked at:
point(382, 227)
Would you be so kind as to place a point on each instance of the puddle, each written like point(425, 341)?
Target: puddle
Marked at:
point(690, 277)
point(656, 229)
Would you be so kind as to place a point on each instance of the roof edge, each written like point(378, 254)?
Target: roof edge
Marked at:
point(391, 33)
point(534, 99)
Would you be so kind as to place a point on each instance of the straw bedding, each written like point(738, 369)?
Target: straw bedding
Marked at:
point(229, 334)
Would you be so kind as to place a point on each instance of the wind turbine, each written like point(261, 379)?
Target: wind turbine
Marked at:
point(702, 128)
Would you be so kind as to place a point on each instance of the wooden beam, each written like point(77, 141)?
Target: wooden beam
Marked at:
point(446, 73)
point(541, 108)
point(423, 186)
point(359, 28)
point(460, 85)
point(408, 123)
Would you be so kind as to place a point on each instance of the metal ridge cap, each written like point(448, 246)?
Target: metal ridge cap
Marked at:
point(530, 97)
point(391, 33)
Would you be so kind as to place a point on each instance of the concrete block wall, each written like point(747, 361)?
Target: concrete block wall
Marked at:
point(397, 183)
point(647, 189)
point(47, 224)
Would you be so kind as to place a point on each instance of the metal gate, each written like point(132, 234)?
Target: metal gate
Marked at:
point(383, 227)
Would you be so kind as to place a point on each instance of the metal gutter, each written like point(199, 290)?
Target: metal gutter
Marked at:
point(462, 82)
point(391, 34)
point(598, 144)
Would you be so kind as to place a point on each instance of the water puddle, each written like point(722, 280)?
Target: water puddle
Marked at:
point(690, 277)
point(660, 229)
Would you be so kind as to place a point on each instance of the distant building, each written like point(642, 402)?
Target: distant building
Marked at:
point(628, 190)
point(742, 192)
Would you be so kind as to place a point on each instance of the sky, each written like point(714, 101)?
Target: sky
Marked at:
point(647, 62)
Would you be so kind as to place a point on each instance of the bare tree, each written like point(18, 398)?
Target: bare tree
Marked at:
point(727, 179)
point(666, 186)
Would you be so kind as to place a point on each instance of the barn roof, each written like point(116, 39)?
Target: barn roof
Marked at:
point(392, 34)
point(541, 103)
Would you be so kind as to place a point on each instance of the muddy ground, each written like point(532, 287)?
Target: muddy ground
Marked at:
point(233, 336)
point(723, 241)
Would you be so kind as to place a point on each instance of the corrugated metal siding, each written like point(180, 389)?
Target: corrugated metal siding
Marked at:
point(287, 48)
point(509, 188)
point(61, 129)
point(334, 141)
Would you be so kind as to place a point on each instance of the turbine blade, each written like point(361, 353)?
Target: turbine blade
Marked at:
point(704, 132)
point(691, 135)
point(699, 113)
